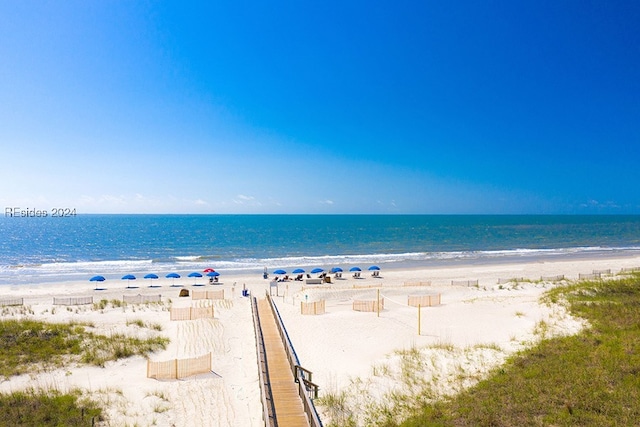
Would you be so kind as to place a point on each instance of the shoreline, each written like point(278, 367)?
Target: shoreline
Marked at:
point(113, 270)
point(480, 324)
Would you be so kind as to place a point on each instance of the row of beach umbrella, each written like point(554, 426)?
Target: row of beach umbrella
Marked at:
point(151, 276)
point(321, 270)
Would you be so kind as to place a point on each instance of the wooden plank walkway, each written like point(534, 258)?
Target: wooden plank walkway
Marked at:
point(289, 411)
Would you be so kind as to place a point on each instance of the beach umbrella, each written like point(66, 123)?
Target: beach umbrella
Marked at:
point(172, 276)
point(355, 269)
point(129, 278)
point(151, 276)
point(336, 270)
point(97, 279)
point(317, 270)
point(195, 276)
point(280, 271)
point(213, 274)
point(208, 270)
point(374, 268)
point(298, 271)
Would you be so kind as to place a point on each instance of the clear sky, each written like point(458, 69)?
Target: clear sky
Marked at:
point(320, 107)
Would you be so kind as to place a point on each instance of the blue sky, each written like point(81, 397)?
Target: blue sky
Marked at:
point(323, 107)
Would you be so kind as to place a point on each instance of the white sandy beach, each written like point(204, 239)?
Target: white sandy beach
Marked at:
point(471, 331)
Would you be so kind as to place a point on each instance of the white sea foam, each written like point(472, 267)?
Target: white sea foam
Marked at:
point(114, 269)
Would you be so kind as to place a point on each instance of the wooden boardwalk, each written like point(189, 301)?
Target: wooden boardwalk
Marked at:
point(289, 411)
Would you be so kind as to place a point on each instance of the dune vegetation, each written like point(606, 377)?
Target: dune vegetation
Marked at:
point(29, 346)
point(592, 378)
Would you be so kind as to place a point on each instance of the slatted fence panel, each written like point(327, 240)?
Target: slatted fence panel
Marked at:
point(179, 368)
point(424, 300)
point(316, 307)
point(367, 305)
point(72, 301)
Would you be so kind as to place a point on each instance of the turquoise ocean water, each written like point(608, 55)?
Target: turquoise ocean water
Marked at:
point(36, 250)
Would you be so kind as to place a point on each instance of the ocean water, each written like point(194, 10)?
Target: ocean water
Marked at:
point(36, 250)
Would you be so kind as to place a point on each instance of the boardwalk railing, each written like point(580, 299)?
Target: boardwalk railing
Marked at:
point(268, 405)
point(306, 388)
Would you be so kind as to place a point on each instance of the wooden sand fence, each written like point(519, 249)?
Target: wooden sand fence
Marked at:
point(592, 276)
point(605, 271)
point(425, 283)
point(424, 300)
point(191, 313)
point(464, 282)
point(630, 270)
point(552, 278)
point(513, 279)
point(369, 306)
point(72, 301)
point(179, 368)
point(378, 285)
point(141, 299)
point(316, 307)
point(198, 295)
point(12, 301)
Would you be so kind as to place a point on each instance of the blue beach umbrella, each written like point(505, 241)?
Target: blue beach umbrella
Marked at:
point(151, 276)
point(280, 271)
point(195, 275)
point(213, 274)
point(317, 270)
point(355, 269)
point(173, 276)
point(374, 268)
point(97, 279)
point(336, 270)
point(298, 271)
point(129, 278)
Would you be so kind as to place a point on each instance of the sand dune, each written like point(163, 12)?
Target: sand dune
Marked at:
point(472, 330)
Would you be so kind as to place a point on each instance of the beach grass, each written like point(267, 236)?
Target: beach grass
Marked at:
point(592, 378)
point(47, 408)
point(30, 346)
point(27, 346)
